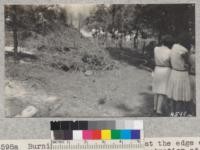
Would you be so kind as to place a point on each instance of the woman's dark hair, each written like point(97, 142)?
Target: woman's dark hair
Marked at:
point(185, 40)
point(167, 40)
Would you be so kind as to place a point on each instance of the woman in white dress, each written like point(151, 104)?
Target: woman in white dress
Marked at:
point(192, 106)
point(179, 88)
point(161, 73)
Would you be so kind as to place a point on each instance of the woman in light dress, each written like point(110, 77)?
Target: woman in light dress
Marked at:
point(179, 87)
point(161, 73)
point(192, 107)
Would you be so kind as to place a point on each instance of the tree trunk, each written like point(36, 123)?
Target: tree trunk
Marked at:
point(79, 22)
point(106, 39)
point(135, 38)
point(122, 32)
point(71, 19)
point(113, 15)
point(14, 27)
point(159, 37)
point(143, 46)
point(160, 33)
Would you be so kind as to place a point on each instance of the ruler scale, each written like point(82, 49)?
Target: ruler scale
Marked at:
point(97, 145)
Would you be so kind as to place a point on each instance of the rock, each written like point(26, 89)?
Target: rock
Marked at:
point(52, 102)
point(52, 99)
point(29, 111)
point(88, 72)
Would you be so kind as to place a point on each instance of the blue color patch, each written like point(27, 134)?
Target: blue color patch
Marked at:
point(135, 134)
point(125, 134)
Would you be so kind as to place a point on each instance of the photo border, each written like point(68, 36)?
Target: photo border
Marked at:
point(39, 128)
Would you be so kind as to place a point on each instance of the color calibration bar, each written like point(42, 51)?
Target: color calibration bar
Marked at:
point(97, 130)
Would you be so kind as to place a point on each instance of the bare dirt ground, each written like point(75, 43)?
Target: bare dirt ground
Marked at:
point(125, 91)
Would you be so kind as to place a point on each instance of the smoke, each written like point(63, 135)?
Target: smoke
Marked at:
point(76, 9)
point(76, 13)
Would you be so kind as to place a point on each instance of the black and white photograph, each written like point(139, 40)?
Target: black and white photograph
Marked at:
point(100, 60)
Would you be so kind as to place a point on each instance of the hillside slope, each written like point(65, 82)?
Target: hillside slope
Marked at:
point(63, 74)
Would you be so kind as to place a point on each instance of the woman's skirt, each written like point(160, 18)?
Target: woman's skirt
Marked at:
point(193, 88)
point(160, 80)
point(179, 86)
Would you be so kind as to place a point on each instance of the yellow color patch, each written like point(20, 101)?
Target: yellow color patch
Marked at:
point(105, 134)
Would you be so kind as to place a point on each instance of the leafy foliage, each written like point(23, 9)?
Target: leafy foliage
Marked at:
point(35, 18)
point(158, 18)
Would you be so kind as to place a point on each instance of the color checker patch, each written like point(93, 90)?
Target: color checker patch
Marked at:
point(115, 134)
point(87, 134)
point(105, 134)
point(77, 135)
point(96, 135)
point(125, 134)
point(135, 134)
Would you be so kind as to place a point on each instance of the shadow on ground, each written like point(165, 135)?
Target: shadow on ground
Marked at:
point(149, 103)
point(147, 108)
point(131, 57)
point(127, 55)
point(144, 110)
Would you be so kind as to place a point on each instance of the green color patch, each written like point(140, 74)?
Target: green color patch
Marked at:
point(115, 134)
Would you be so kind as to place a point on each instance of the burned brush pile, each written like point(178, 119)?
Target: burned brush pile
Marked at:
point(66, 49)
